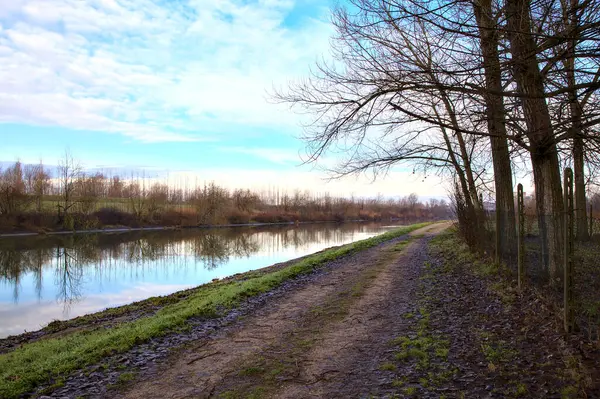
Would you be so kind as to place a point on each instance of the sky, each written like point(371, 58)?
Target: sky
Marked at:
point(170, 85)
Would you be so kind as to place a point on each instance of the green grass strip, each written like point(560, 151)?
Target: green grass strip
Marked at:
point(25, 368)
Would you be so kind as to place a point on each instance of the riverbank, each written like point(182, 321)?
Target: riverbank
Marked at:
point(117, 315)
point(125, 229)
point(63, 347)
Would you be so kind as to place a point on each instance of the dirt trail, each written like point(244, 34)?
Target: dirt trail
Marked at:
point(326, 339)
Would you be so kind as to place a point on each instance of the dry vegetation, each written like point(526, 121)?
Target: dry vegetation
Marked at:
point(33, 197)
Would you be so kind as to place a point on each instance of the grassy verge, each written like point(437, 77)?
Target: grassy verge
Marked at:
point(40, 362)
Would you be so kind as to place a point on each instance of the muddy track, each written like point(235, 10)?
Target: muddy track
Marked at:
point(325, 339)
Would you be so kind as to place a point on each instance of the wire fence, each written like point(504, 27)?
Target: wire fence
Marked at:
point(566, 270)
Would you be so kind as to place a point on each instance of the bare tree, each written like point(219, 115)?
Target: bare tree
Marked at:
point(423, 82)
point(115, 187)
point(402, 95)
point(487, 17)
point(69, 171)
point(13, 196)
point(571, 67)
point(38, 184)
point(90, 188)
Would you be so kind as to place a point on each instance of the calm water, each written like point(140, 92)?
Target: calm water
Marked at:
point(61, 277)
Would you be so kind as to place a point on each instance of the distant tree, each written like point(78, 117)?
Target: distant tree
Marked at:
point(13, 196)
point(136, 193)
point(37, 183)
point(244, 200)
point(157, 198)
point(115, 187)
point(210, 202)
point(90, 188)
point(413, 201)
point(69, 171)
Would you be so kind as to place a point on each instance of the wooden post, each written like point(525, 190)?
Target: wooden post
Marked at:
point(498, 236)
point(521, 242)
point(568, 252)
point(591, 221)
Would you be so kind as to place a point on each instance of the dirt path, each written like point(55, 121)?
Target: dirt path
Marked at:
point(326, 339)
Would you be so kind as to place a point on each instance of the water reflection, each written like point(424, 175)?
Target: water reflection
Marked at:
point(92, 272)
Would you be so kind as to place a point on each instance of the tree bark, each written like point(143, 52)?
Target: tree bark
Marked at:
point(495, 114)
point(543, 152)
point(576, 128)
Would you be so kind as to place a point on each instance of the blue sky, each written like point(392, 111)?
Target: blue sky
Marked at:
point(178, 85)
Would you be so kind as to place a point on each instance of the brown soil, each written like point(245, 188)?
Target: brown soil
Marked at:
point(323, 340)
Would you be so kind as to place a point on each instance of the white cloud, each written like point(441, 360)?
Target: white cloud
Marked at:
point(155, 71)
point(283, 156)
point(395, 183)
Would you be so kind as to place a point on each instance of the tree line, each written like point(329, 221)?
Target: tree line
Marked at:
point(475, 89)
point(67, 197)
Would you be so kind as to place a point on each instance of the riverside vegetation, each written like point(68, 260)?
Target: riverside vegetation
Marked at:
point(39, 198)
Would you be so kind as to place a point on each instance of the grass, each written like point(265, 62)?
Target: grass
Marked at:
point(124, 379)
point(498, 352)
point(399, 382)
point(422, 348)
point(423, 351)
point(33, 364)
point(252, 370)
point(387, 367)
point(521, 390)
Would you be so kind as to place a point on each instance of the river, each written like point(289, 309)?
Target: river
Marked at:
point(46, 278)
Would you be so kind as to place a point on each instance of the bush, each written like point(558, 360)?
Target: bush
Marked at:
point(276, 217)
point(470, 222)
point(338, 217)
point(238, 217)
point(115, 217)
point(172, 217)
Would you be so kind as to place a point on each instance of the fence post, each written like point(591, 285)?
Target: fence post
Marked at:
point(521, 242)
point(591, 221)
point(498, 244)
point(568, 251)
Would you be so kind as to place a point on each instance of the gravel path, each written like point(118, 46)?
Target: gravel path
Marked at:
point(408, 318)
point(321, 340)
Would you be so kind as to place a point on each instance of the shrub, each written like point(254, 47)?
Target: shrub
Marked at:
point(238, 217)
point(115, 217)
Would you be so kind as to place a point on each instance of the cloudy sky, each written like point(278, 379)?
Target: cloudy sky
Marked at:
point(177, 85)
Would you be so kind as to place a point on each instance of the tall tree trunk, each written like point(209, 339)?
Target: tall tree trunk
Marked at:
point(576, 126)
point(543, 152)
point(495, 114)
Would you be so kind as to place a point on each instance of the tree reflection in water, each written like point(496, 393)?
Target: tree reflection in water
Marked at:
point(101, 259)
point(68, 277)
